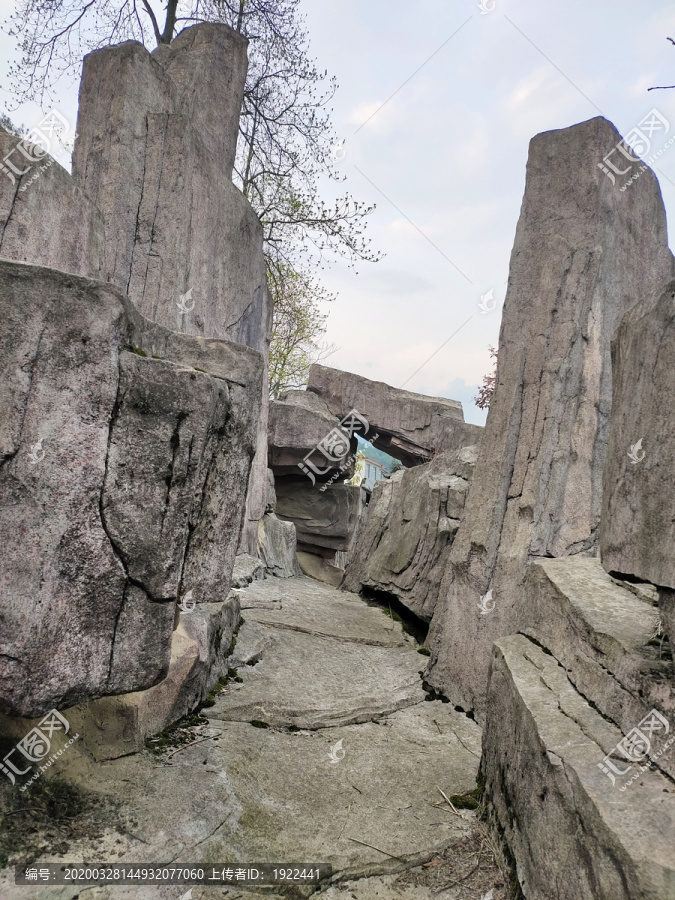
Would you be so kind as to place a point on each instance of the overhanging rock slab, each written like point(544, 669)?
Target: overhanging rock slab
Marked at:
point(411, 427)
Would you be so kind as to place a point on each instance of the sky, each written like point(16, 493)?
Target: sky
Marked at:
point(437, 103)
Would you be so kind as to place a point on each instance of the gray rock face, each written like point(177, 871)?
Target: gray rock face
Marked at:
point(403, 539)
point(151, 154)
point(603, 636)
point(181, 239)
point(125, 452)
point(320, 569)
point(298, 421)
point(324, 520)
point(573, 834)
point(583, 253)
point(637, 533)
point(116, 726)
point(45, 218)
point(277, 541)
point(411, 427)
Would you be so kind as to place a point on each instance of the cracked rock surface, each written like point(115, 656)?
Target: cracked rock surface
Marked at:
point(125, 451)
point(332, 792)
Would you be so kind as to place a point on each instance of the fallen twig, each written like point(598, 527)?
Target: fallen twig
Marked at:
point(185, 746)
point(345, 822)
point(373, 847)
point(449, 802)
point(450, 884)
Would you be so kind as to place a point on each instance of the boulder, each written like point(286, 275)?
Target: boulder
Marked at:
point(246, 569)
point(200, 647)
point(181, 239)
point(572, 831)
point(277, 541)
point(45, 217)
point(637, 531)
point(320, 569)
point(404, 537)
point(325, 520)
point(584, 253)
point(410, 427)
point(125, 455)
point(298, 422)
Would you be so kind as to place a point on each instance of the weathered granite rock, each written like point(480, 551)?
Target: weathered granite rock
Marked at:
point(603, 636)
point(411, 427)
point(122, 478)
point(298, 421)
point(403, 539)
point(45, 218)
point(115, 726)
point(319, 568)
point(584, 253)
point(323, 519)
point(637, 533)
point(277, 541)
point(246, 569)
point(667, 609)
point(213, 49)
point(573, 833)
point(181, 239)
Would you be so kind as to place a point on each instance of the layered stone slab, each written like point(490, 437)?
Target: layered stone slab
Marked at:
point(325, 521)
point(584, 254)
point(603, 636)
point(125, 458)
point(573, 831)
point(298, 421)
point(411, 427)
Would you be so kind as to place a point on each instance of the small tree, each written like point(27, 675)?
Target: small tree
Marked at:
point(487, 389)
point(297, 328)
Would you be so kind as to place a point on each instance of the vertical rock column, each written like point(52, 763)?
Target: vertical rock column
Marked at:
point(157, 136)
point(585, 252)
point(637, 534)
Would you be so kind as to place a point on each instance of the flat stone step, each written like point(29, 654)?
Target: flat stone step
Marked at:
point(303, 604)
point(307, 794)
point(309, 681)
point(574, 832)
point(601, 634)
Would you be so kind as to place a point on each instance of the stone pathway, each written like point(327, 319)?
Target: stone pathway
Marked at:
point(327, 750)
